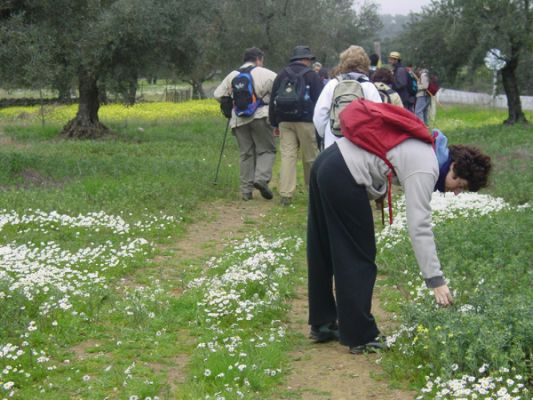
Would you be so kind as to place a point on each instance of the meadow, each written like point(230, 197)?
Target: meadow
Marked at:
point(79, 219)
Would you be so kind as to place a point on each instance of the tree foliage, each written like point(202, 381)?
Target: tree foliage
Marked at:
point(219, 34)
point(99, 44)
point(449, 35)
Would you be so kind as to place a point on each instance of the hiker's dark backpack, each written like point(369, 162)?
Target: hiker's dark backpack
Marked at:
point(434, 85)
point(384, 91)
point(347, 90)
point(412, 83)
point(379, 127)
point(245, 101)
point(292, 101)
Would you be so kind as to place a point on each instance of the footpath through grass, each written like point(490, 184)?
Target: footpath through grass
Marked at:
point(77, 218)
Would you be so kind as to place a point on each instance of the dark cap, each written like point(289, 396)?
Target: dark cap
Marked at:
point(301, 53)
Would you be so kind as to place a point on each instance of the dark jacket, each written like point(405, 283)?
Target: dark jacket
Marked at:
point(400, 85)
point(315, 88)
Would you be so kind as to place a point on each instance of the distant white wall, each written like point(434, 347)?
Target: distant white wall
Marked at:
point(480, 99)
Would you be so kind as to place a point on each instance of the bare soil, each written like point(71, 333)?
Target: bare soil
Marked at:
point(323, 371)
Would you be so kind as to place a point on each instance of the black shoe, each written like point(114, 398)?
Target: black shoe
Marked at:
point(247, 196)
point(324, 333)
point(374, 346)
point(264, 190)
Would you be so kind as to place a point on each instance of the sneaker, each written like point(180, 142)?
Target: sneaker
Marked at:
point(374, 346)
point(264, 190)
point(324, 333)
point(285, 201)
point(247, 196)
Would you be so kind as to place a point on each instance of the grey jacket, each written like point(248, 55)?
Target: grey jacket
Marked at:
point(417, 175)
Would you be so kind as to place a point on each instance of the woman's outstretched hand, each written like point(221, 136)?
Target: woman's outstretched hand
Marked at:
point(443, 297)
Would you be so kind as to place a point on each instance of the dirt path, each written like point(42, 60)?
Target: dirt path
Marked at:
point(325, 371)
point(329, 371)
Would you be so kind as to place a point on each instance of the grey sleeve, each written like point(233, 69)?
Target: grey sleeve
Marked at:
point(418, 189)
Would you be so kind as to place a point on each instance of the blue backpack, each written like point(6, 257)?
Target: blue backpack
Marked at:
point(245, 101)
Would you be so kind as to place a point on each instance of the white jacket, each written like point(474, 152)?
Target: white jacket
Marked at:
point(323, 106)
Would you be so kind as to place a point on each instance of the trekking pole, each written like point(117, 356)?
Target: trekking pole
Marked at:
point(221, 151)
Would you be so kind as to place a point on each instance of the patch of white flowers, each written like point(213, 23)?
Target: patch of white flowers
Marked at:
point(56, 279)
point(237, 289)
point(44, 222)
point(444, 206)
point(500, 385)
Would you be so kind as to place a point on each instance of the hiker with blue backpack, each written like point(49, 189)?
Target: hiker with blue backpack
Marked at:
point(382, 144)
point(296, 90)
point(248, 91)
point(405, 82)
point(349, 81)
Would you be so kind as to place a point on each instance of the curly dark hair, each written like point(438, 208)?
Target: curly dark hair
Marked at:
point(471, 164)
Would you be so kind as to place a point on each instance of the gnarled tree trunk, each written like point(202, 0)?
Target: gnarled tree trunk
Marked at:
point(86, 124)
point(198, 91)
point(510, 86)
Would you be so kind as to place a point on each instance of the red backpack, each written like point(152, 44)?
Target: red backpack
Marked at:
point(379, 127)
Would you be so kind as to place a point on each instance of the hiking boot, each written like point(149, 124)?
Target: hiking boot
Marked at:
point(285, 201)
point(264, 190)
point(374, 346)
point(247, 196)
point(324, 333)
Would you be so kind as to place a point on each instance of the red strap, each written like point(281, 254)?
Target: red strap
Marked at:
point(389, 196)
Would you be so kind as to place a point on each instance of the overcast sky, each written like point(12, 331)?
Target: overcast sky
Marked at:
point(400, 6)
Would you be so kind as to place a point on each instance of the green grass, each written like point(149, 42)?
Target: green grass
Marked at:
point(123, 341)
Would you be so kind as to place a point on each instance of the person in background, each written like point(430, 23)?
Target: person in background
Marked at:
point(401, 80)
point(374, 61)
point(354, 63)
point(383, 78)
point(317, 67)
point(253, 133)
point(296, 133)
point(423, 98)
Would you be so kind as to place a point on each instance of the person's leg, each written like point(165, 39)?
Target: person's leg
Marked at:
point(421, 108)
point(243, 134)
point(322, 307)
point(348, 217)
point(426, 109)
point(289, 155)
point(265, 150)
point(307, 139)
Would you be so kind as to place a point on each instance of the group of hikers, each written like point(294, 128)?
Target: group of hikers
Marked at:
point(359, 130)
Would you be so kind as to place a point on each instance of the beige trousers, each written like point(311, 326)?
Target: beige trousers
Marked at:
point(295, 136)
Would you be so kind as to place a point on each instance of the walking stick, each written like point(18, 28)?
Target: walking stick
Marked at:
point(221, 151)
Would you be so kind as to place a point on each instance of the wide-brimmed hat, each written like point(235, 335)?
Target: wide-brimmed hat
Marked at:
point(395, 55)
point(301, 53)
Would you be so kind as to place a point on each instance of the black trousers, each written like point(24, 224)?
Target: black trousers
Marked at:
point(341, 246)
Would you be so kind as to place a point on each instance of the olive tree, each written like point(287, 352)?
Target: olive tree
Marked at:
point(88, 41)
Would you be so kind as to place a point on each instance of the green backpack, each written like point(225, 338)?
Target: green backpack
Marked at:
point(347, 90)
